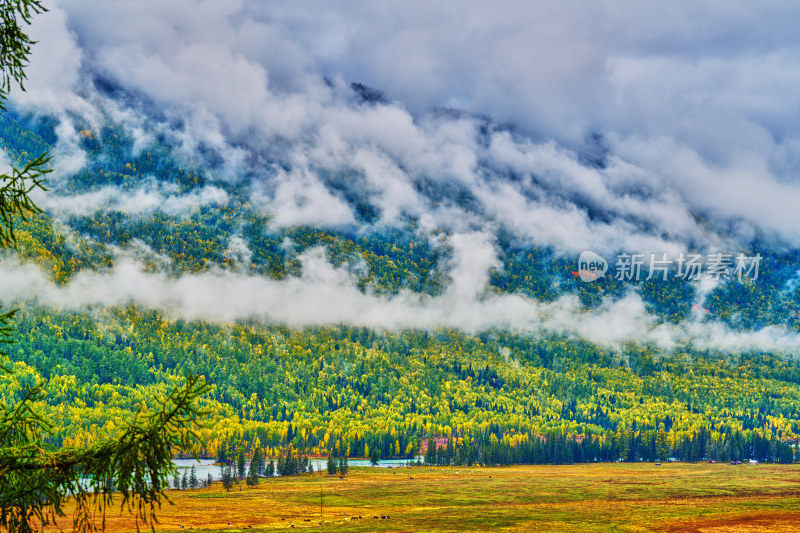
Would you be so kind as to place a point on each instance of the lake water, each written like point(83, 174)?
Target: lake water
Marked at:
point(203, 467)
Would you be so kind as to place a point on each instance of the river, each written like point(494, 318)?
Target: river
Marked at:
point(203, 467)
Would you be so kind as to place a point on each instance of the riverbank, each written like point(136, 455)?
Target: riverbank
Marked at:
point(204, 467)
point(587, 497)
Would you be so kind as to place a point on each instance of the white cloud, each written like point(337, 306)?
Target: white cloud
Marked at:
point(324, 295)
point(146, 198)
point(300, 198)
point(247, 80)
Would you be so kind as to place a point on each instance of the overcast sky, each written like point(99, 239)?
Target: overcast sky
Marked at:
point(696, 100)
point(719, 75)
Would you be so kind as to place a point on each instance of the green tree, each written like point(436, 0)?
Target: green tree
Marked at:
point(193, 481)
point(222, 455)
point(252, 474)
point(331, 465)
point(430, 453)
point(375, 456)
point(343, 467)
point(270, 470)
point(227, 477)
point(241, 465)
point(257, 462)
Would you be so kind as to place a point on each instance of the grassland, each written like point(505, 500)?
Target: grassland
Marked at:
point(594, 497)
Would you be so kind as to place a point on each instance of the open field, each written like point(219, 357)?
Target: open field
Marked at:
point(588, 497)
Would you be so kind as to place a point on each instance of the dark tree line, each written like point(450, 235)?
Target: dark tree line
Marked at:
point(559, 448)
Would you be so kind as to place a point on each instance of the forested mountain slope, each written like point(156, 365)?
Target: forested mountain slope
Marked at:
point(347, 337)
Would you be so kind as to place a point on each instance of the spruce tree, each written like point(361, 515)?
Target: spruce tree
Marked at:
point(430, 453)
point(227, 478)
point(193, 481)
point(375, 456)
point(241, 465)
point(252, 474)
point(257, 463)
point(222, 456)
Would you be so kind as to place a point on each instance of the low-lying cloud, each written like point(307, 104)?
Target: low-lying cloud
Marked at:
point(324, 295)
point(146, 198)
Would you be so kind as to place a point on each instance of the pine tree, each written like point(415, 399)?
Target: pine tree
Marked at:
point(241, 468)
point(343, 467)
point(375, 457)
point(257, 463)
point(227, 478)
point(331, 465)
point(258, 459)
point(252, 475)
point(430, 453)
point(210, 480)
point(193, 481)
point(222, 456)
point(270, 470)
point(185, 480)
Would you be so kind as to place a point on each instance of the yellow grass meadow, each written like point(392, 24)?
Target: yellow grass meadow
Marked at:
point(594, 497)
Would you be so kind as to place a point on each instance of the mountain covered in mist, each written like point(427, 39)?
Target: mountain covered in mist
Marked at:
point(146, 225)
point(144, 267)
point(375, 262)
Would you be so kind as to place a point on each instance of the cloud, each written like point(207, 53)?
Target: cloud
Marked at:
point(695, 84)
point(324, 295)
point(146, 198)
point(300, 198)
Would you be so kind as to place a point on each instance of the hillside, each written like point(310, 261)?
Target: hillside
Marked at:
point(146, 266)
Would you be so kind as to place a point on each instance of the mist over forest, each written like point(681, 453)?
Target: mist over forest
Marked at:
point(331, 211)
